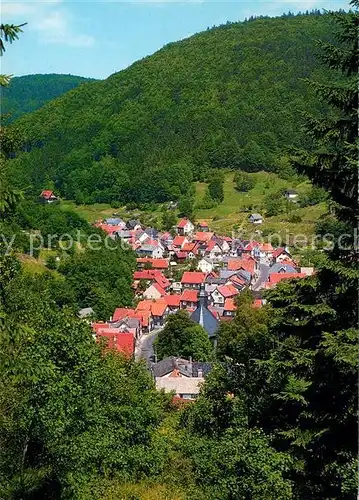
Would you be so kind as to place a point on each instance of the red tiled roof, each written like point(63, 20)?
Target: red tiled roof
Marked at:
point(277, 277)
point(190, 247)
point(227, 290)
point(246, 264)
point(159, 289)
point(266, 247)
point(211, 245)
point(179, 241)
point(251, 245)
point(278, 251)
point(203, 224)
point(229, 305)
point(162, 280)
point(47, 194)
point(203, 236)
point(193, 277)
point(172, 300)
point(122, 312)
point(189, 296)
point(158, 308)
point(257, 303)
point(247, 256)
point(181, 255)
point(155, 307)
point(155, 263)
point(98, 326)
point(108, 228)
point(152, 275)
point(122, 342)
point(182, 223)
point(236, 279)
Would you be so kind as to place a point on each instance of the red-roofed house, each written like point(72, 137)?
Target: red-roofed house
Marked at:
point(249, 265)
point(203, 226)
point(184, 226)
point(189, 298)
point(281, 255)
point(220, 294)
point(265, 250)
point(153, 275)
point(157, 308)
point(122, 313)
point(154, 292)
point(173, 302)
point(48, 196)
point(191, 250)
point(121, 342)
point(214, 251)
point(153, 263)
point(179, 242)
point(203, 237)
point(193, 279)
point(229, 308)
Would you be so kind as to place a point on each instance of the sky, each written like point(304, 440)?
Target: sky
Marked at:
point(98, 38)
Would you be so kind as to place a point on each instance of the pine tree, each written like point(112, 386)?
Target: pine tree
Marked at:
point(312, 370)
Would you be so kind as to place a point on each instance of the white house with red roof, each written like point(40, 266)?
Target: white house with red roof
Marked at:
point(173, 302)
point(184, 227)
point(214, 251)
point(221, 293)
point(154, 292)
point(281, 255)
point(48, 196)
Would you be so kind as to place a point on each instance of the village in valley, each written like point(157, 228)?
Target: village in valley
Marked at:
point(194, 269)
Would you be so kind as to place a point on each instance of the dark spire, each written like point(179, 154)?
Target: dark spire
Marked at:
point(203, 297)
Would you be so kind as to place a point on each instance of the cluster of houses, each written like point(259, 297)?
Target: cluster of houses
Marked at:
point(213, 271)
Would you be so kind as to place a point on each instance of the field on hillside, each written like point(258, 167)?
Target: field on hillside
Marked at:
point(231, 215)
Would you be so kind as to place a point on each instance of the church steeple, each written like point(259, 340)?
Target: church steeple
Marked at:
point(202, 296)
point(203, 316)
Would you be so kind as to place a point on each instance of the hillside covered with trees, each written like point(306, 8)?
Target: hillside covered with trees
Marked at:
point(30, 92)
point(230, 97)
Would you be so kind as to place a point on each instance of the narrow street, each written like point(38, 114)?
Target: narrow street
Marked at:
point(144, 346)
point(263, 276)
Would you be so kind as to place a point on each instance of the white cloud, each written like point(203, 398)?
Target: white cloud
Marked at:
point(56, 27)
point(49, 19)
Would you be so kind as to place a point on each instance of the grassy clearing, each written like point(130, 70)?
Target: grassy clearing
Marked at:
point(32, 265)
point(230, 215)
point(91, 213)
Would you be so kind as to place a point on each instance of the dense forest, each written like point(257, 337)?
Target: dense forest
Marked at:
point(228, 97)
point(30, 92)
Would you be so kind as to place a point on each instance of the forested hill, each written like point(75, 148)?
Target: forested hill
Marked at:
point(228, 97)
point(30, 92)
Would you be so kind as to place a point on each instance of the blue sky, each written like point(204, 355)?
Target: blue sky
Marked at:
point(98, 38)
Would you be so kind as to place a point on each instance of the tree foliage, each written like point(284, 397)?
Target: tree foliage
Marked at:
point(28, 93)
point(183, 338)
